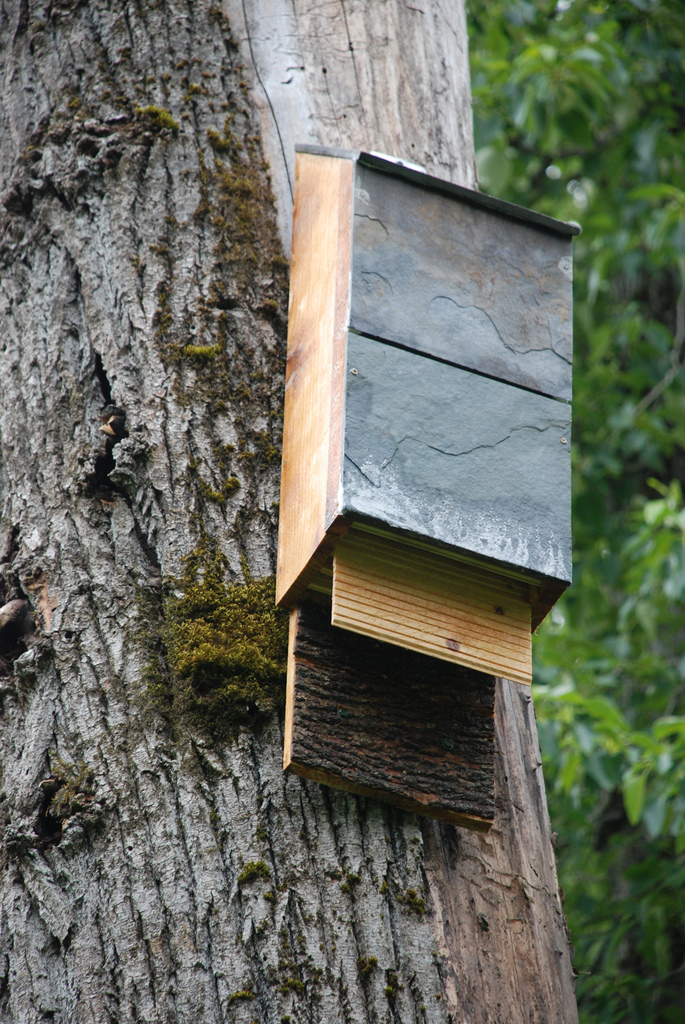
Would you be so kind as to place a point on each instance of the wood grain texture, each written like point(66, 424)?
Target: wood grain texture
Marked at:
point(289, 689)
point(428, 603)
point(497, 917)
point(319, 307)
point(463, 283)
point(543, 599)
point(391, 76)
point(379, 721)
point(457, 457)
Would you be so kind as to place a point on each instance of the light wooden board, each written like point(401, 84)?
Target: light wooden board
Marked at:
point(420, 601)
point(375, 720)
point(312, 430)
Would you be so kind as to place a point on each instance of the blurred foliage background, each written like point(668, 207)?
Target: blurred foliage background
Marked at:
point(579, 111)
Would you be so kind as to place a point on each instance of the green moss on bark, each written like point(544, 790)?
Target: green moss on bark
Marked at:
point(253, 870)
point(157, 118)
point(224, 648)
point(74, 788)
point(244, 995)
point(217, 648)
point(413, 901)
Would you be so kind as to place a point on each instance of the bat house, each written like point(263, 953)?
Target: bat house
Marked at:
point(426, 480)
point(425, 497)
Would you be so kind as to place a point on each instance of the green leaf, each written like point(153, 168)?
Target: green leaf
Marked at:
point(658, 191)
point(494, 170)
point(604, 710)
point(669, 726)
point(634, 791)
point(654, 814)
point(597, 768)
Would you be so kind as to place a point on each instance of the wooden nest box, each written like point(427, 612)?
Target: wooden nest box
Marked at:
point(426, 452)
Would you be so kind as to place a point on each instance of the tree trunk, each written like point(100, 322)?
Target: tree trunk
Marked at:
point(157, 864)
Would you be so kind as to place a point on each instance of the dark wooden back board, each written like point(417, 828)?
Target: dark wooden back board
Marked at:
point(376, 720)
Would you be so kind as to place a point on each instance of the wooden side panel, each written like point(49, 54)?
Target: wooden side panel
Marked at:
point(543, 600)
point(426, 603)
point(375, 720)
point(319, 305)
point(290, 690)
point(463, 283)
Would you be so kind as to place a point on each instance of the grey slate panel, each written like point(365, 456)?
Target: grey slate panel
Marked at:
point(457, 457)
point(410, 171)
point(461, 282)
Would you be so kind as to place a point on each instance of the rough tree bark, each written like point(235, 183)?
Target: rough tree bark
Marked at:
point(155, 866)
